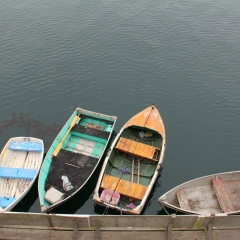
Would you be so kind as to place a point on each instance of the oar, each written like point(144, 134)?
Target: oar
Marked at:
point(138, 169)
point(132, 168)
point(76, 118)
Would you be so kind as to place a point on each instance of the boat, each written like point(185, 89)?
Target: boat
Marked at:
point(216, 194)
point(73, 157)
point(20, 162)
point(132, 164)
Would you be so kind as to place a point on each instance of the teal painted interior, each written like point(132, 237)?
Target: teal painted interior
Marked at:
point(48, 160)
point(109, 128)
point(95, 116)
point(97, 150)
point(70, 143)
point(92, 138)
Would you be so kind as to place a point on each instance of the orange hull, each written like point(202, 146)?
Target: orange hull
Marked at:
point(148, 118)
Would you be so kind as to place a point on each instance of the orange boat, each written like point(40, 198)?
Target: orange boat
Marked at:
point(133, 163)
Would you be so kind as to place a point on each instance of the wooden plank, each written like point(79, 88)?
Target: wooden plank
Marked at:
point(126, 145)
point(94, 126)
point(224, 222)
point(124, 187)
point(136, 148)
point(144, 150)
point(203, 199)
point(42, 221)
point(7, 172)
point(29, 234)
point(131, 189)
point(233, 188)
point(109, 182)
point(131, 221)
point(227, 234)
point(108, 222)
point(182, 199)
point(222, 195)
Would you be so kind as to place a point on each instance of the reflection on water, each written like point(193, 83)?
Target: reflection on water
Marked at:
point(33, 127)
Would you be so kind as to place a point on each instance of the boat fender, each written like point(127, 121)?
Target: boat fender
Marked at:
point(67, 185)
point(142, 134)
point(160, 168)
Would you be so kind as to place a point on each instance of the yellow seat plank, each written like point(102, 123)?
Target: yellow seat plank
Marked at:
point(136, 148)
point(123, 187)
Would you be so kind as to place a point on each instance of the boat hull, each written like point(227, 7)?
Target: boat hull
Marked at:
point(217, 194)
point(73, 157)
point(20, 162)
point(133, 164)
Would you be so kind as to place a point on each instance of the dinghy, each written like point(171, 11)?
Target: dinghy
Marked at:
point(217, 194)
point(20, 161)
point(133, 163)
point(73, 157)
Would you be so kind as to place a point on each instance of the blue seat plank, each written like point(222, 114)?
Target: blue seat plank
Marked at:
point(6, 172)
point(26, 146)
point(6, 201)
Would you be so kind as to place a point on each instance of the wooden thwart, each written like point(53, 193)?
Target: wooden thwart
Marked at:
point(222, 195)
point(182, 199)
point(136, 148)
point(123, 187)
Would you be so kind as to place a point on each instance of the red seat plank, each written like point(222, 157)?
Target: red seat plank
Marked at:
point(222, 195)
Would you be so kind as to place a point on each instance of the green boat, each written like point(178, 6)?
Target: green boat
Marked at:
point(73, 157)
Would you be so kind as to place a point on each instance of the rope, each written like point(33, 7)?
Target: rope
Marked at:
point(166, 210)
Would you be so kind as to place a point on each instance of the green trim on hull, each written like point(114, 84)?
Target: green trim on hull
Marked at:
point(95, 116)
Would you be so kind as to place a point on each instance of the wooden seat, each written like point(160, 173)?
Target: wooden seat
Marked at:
point(7, 172)
point(138, 149)
point(6, 201)
point(183, 201)
point(123, 187)
point(87, 130)
point(222, 195)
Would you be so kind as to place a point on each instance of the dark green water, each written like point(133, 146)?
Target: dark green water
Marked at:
point(117, 58)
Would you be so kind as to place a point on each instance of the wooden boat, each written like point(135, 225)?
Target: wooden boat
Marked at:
point(217, 194)
point(20, 161)
point(133, 164)
point(73, 157)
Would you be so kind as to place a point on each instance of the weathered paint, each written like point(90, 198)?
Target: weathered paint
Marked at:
point(136, 148)
point(149, 118)
point(203, 198)
point(150, 123)
point(72, 141)
point(18, 168)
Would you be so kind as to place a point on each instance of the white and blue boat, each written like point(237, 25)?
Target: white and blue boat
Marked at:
point(20, 162)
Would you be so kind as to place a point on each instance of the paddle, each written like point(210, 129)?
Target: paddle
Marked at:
point(57, 149)
point(138, 169)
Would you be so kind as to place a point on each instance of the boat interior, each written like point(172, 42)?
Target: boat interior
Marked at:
point(219, 196)
point(131, 165)
point(80, 153)
point(17, 170)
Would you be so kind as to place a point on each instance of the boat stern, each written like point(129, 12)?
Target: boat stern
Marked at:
point(44, 208)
